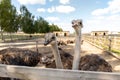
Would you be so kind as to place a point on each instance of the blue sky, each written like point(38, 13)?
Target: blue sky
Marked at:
point(96, 14)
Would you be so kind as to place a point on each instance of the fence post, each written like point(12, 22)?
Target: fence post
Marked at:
point(114, 44)
point(37, 46)
point(109, 45)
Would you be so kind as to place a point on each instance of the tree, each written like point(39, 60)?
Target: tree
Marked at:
point(7, 17)
point(54, 28)
point(14, 23)
point(27, 20)
point(41, 25)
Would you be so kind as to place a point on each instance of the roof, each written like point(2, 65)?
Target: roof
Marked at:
point(60, 31)
point(100, 31)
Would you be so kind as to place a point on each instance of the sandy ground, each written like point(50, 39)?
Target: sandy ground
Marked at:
point(86, 49)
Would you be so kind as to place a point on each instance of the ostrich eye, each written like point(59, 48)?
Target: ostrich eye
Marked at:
point(53, 37)
point(80, 23)
point(72, 22)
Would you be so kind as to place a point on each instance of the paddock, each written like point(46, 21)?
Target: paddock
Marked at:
point(42, 73)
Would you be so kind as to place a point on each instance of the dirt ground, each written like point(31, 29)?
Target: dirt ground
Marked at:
point(86, 49)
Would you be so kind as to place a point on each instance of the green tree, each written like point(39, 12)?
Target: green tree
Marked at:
point(42, 26)
point(27, 20)
point(54, 28)
point(7, 17)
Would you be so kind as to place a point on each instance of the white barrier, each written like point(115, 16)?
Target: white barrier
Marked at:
point(35, 73)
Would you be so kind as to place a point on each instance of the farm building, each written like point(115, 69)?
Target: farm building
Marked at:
point(62, 33)
point(104, 33)
point(99, 33)
point(115, 32)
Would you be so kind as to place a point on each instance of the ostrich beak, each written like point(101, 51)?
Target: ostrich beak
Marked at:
point(43, 59)
point(74, 25)
point(46, 43)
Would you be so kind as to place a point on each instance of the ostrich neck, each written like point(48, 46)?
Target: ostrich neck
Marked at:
point(77, 50)
point(57, 56)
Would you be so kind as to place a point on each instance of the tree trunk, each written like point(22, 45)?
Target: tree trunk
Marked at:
point(30, 36)
point(11, 36)
point(2, 36)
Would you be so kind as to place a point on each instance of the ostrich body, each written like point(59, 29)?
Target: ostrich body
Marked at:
point(77, 25)
point(66, 59)
point(20, 57)
point(50, 38)
point(93, 62)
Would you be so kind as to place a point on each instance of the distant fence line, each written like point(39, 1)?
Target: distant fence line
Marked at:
point(16, 36)
point(111, 42)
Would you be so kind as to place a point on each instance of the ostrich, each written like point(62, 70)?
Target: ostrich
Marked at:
point(20, 57)
point(51, 38)
point(65, 57)
point(91, 62)
point(77, 25)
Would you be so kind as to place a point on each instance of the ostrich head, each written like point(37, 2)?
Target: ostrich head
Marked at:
point(50, 38)
point(77, 25)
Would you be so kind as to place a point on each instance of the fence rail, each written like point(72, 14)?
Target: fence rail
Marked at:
point(34, 73)
point(16, 36)
point(111, 42)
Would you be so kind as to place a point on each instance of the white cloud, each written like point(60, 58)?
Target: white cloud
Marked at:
point(64, 1)
point(41, 10)
point(113, 7)
point(52, 19)
point(65, 9)
point(50, 10)
point(32, 1)
point(100, 12)
point(111, 23)
point(66, 26)
point(60, 9)
point(107, 18)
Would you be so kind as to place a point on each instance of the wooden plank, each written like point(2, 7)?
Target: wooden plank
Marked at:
point(34, 73)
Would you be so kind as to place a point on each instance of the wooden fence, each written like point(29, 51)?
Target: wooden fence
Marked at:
point(16, 36)
point(111, 42)
point(35, 73)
